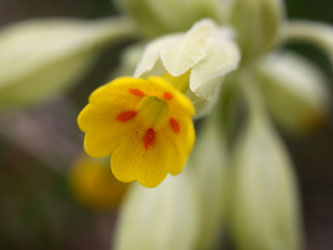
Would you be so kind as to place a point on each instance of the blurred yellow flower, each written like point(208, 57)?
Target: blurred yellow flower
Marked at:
point(94, 185)
point(144, 123)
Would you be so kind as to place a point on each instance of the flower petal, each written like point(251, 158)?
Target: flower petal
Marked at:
point(133, 161)
point(102, 141)
point(118, 91)
point(179, 144)
point(168, 153)
point(103, 131)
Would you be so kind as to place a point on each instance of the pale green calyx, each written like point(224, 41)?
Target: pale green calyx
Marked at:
point(264, 208)
point(206, 52)
point(259, 25)
point(295, 91)
point(209, 162)
point(163, 218)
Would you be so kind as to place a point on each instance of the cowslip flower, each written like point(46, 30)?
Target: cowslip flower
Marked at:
point(144, 123)
point(259, 25)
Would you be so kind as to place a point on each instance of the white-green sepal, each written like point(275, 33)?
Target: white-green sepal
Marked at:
point(151, 55)
point(209, 161)
point(181, 56)
point(264, 202)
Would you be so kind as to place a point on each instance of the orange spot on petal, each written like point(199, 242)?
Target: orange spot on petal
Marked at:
point(137, 92)
point(149, 138)
point(167, 96)
point(126, 116)
point(174, 125)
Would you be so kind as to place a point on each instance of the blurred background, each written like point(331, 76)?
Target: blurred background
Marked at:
point(38, 145)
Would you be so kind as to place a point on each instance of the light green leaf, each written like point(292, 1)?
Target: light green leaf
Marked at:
point(314, 32)
point(41, 58)
point(163, 218)
point(209, 162)
point(295, 91)
point(264, 211)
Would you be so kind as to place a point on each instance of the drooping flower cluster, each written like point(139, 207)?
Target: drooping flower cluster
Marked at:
point(144, 123)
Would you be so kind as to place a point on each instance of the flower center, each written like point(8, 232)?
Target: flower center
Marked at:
point(154, 111)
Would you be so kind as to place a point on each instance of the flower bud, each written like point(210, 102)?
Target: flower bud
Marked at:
point(209, 162)
point(158, 17)
point(264, 203)
point(295, 91)
point(42, 58)
point(258, 24)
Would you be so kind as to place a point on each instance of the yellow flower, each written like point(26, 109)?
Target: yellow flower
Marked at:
point(144, 123)
point(93, 184)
